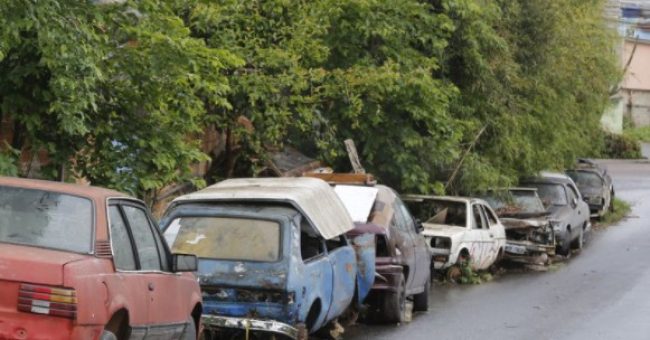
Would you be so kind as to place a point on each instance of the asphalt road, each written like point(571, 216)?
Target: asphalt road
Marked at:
point(601, 293)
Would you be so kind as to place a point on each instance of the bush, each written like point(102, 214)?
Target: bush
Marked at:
point(621, 146)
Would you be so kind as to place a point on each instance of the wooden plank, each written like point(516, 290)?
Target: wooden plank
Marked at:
point(341, 178)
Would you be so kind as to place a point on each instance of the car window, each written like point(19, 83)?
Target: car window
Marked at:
point(398, 217)
point(574, 190)
point(145, 243)
point(409, 223)
point(47, 219)
point(163, 252)
point(225, 238)
point(550, 193)
point(335, 243)
point(572, 195)
point(489, 214)
point(120, 241)
point(311, 244)
point(477, 216)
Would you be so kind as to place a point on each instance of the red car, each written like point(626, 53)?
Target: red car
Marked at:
point(79, 262)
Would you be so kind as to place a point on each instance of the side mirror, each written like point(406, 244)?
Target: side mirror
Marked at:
point(574, 202)
point(184, 263)
point(418, 226)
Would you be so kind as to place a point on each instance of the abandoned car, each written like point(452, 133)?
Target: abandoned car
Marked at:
point(79, 262)
point(529, 235)
point(460, 230)
point(595, 186)
point(273, 255)
point(402, 256)
point(568, 213)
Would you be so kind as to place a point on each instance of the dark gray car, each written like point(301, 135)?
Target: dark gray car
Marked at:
point(595, 186)
point(568, 213)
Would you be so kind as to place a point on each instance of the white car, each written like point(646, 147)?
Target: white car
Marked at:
point(460, 229)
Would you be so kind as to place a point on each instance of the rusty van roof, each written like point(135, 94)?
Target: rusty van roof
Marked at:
point(313, 197)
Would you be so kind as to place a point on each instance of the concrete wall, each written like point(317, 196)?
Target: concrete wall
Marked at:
point(637, 76)
point(637, 106)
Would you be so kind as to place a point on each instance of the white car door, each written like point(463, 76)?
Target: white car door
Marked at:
point(496, 234)
point(480, 239)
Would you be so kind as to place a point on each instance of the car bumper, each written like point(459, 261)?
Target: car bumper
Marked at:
point(386, 276)
point(215, 322)
point(441, 258)
point(528, 252)
point(18, 325)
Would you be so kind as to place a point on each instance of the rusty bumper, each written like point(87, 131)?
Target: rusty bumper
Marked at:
point(215, 322)
point(528, 252)
point(386, 277)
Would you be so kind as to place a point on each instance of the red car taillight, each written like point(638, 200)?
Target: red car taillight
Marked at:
point(47, 300)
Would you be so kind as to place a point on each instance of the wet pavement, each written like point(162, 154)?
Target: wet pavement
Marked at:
point(602, 293)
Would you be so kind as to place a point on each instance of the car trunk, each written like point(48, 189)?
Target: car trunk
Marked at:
point(23, 264)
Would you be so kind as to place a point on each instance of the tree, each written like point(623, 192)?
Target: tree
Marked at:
point(111, 92)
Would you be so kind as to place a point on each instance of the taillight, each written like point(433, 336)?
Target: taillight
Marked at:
point(47, 300)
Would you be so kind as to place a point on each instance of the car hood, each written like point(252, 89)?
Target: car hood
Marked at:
point(559, 212)
point(432, 229)
point(34, 265)
point(521, 223)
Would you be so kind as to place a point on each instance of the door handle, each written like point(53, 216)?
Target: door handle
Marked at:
point(491, 235)
point(151, 286)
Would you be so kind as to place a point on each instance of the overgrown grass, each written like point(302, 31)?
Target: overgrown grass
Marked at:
point(641, 134)
point(621, 209)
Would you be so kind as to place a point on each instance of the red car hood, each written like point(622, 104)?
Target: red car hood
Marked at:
point(34, 265)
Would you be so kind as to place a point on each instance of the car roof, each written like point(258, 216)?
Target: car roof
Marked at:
point(308, 195)
point(91, 192)
point(549, 177)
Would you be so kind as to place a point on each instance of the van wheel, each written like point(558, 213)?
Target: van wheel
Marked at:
point(394, 306)
point(421, 301)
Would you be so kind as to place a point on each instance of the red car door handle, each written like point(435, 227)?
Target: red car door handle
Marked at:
point(151, 286)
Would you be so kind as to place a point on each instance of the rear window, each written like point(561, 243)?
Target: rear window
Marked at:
point(45, 219)
point(225, 238)
point(586, 179)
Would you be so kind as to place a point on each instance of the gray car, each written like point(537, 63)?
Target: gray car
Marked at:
point(568, 213)
point(595, 186)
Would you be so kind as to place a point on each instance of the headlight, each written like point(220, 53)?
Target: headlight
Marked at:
point(595, 200)
point(441, 242)
point(557, 226)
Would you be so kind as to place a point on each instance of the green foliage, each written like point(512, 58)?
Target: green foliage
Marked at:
point(621, 146)
point(120, 94)
point(641, 134)
point(110, 92)
point(538, 86)
point(621, 210)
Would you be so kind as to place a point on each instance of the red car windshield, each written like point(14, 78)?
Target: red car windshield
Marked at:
point(45, 219)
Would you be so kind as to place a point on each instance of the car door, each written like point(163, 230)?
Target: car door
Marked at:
point(479, 238)
point(167, 298)
point(405, 243)
point(581, 208)
point(496, 233)
point(344, 272)
point(316, 275)
point(127, 285)
point(422, 260)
